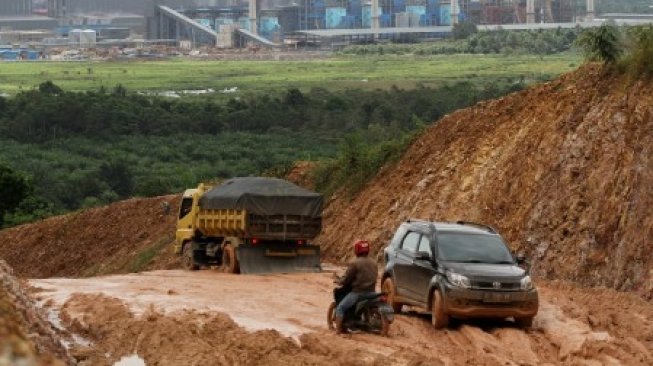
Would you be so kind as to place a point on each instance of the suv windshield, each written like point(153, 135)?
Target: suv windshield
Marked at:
point(473, 248)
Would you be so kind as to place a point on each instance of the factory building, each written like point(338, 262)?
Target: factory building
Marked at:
point(15, 7)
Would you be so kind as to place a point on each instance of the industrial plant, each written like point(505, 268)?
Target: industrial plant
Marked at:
point(274, 23)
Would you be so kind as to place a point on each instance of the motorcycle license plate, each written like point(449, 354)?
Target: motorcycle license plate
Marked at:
point(497, 297)
point(386, 310)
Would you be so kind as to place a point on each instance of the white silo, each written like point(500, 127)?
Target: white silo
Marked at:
point(88, 38)
point(74, 37)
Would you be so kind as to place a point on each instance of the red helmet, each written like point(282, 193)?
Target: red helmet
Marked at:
point(361, 247)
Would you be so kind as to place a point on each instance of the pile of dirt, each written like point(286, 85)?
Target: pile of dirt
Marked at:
point(26, 337)
point(126, 236)
point(184, 338)
point(564, 170)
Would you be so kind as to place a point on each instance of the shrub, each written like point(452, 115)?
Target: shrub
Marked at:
point(601, 44)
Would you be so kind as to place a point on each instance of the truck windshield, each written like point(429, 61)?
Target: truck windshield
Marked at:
point(473, 248)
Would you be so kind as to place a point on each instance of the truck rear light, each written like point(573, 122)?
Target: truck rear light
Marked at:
point(254, 241)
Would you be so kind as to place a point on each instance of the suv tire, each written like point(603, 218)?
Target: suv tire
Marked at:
point(388, 287)
point(439, 318)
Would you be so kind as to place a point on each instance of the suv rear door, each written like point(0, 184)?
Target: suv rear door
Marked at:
point(422, 270)
point(403, 262)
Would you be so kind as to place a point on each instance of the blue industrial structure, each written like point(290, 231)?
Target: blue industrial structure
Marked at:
point(327, 14)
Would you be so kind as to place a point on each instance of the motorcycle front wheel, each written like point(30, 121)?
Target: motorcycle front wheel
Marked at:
point(331, 316)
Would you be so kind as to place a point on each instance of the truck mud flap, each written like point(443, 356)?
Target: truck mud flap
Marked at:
point(254, 259)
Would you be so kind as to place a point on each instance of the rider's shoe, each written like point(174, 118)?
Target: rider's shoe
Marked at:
point(340, 329)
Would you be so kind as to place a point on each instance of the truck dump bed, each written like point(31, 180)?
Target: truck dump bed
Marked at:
point(260, 207)
point(281, 216)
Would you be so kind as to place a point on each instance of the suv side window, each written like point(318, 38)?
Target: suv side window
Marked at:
point(411, 241)
point(396, 239)
point(425, 245)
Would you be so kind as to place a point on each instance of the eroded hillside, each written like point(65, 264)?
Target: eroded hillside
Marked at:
point(126, 236)
point(564, 170)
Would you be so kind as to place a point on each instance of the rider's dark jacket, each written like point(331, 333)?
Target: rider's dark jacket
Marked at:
point(361, 275)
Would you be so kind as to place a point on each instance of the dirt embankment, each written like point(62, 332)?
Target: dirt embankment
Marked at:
point(564, 170)
point(180, 318)
point(126, 236)
point(26, 337)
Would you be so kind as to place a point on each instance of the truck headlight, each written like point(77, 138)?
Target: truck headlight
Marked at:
point(526, 283)
point(458, 280)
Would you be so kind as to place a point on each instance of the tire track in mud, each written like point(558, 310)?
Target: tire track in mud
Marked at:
point(183, 318)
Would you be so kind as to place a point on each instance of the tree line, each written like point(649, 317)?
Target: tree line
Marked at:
point(81, 149)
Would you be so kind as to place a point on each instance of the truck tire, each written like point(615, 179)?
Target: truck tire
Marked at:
point(388, 287)
point(187, 260)
point(439, 318)
point(229, 260)
point(524, 323)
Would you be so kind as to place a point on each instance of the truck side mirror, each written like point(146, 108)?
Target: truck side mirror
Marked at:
point(521, 260)
point(423, 256)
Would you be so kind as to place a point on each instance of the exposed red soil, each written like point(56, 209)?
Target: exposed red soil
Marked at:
point(26, 337)
point(110, 239)
point(564, 170)
point(188, 318)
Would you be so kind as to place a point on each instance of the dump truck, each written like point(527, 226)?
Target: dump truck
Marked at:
point(250, 225)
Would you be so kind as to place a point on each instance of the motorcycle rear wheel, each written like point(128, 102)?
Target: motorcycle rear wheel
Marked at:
point(376, 320)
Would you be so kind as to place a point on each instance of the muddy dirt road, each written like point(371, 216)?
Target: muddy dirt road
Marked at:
point(206, 317)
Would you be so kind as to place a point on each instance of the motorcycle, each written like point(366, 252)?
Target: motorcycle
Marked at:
point(372, 314)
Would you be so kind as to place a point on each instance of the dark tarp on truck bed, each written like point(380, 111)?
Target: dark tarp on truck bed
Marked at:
point(263, 196)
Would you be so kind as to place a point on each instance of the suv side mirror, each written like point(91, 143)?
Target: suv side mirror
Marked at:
point(423, 256)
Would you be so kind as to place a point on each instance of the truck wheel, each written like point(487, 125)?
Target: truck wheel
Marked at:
point(388, 287)
point(524, 322)
point(229, 260)
point(187, 260)
point(331, 316)
point(439, 317)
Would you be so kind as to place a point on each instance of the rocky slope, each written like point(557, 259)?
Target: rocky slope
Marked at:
point(564, 170)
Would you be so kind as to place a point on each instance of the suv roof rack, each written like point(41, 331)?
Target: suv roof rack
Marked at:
point(482, 226)
point(418, 220)
point(430, 224)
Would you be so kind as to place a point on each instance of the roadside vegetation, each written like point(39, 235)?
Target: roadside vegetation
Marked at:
point(626, 50)
point(468, 40)
point(82, 149)
point(97, 132)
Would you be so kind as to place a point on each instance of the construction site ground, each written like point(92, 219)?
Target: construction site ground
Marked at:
point(175, 317)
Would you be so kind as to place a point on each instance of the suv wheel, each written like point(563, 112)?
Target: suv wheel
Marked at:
point(439, 318)
point(388, 287)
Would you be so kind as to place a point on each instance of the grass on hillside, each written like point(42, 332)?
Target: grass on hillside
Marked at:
point(249, 76)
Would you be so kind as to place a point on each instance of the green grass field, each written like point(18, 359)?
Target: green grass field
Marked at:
point(333, 73)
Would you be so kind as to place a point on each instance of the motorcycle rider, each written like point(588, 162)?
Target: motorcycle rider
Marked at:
point(360, 277)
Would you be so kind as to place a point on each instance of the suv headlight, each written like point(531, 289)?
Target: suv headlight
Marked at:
point(526, 283)
point(458, 280)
